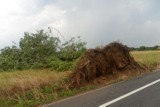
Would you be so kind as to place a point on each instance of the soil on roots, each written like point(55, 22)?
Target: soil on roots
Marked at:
point(108, 60)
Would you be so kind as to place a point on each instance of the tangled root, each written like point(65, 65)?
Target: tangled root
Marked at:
point(114, 57)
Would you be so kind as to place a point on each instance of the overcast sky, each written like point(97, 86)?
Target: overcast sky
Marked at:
point(98, 22)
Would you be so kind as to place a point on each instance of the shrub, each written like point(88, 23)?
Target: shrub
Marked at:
point(42, 50)
point(59, 65)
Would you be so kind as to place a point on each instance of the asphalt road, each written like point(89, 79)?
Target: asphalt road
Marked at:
point(137, 92)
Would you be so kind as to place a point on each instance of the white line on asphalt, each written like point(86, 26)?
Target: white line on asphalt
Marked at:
point(128, 94)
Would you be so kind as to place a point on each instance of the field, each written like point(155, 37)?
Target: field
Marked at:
point(36, 87)
point(149, 58)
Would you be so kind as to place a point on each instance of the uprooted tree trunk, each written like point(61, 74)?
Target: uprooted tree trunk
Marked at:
point(114, 57)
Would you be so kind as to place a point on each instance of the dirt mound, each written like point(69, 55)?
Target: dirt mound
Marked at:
point(114, 57)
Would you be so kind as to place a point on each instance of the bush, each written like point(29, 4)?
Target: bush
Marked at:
point(42, 50)
point(56, 64)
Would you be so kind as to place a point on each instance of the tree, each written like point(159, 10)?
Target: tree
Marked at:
point(142, 48)
point(10, 58)
point(36, 48)
point(72, 49)
point(42, 50)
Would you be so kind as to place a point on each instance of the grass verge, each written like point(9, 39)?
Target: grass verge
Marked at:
point(30, 88)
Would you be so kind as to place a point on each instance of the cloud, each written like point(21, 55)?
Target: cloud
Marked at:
point(97, 22)
point(16, 19)
point(105, 21)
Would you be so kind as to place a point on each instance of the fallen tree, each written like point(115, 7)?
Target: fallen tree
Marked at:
point(95, 63)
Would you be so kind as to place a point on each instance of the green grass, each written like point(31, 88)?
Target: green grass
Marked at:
point(149, 58)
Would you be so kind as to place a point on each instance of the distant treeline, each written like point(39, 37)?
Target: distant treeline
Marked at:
point(143, 48)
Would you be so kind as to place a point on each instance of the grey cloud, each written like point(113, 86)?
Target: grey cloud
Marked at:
point(105, 21)
point(98, 22)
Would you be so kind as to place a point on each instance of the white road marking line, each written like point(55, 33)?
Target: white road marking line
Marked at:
point(128, 94)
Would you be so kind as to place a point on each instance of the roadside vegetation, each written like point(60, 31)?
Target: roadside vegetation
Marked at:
point(34, 87)
point(32, 72)
point(42, 50)
point(28, 88)
point(35, 72)
point(37, 87)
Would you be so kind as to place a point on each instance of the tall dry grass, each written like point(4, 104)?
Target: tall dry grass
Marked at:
point(20, 81)
point(149, 58)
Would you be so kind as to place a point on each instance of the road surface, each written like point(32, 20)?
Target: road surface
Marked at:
point(142, 91)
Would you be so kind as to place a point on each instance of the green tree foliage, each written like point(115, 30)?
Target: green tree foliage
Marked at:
point(72, 49)
point(36, 48)
point(143, 48)
point(42, 50)
point(10, 58)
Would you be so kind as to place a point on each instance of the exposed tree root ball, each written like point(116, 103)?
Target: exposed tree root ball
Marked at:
point(114, 57)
